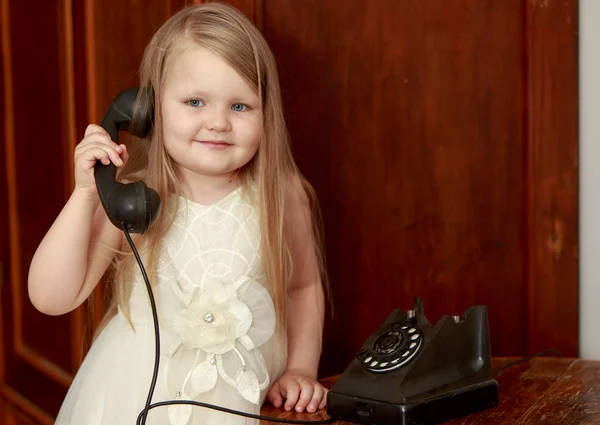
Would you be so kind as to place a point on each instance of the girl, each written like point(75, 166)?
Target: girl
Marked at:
point(234, 258)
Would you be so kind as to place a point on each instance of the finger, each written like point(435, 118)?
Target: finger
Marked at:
point(89, 130)
point(100, 156)
point(113, 151)
point(307, 388)
point(315, 401)
point(104, 139)
point(291, 395)
point(124, 153)
point(323, 404)
point(91, 151)
point(102, 153)
point(274, 395)
point(114, 156)
point(99, 138)
point(93, 128)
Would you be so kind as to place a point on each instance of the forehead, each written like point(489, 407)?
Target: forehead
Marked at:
point(195, 68)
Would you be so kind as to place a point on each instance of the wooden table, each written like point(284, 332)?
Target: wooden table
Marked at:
point(544, 390)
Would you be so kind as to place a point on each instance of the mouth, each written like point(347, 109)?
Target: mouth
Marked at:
point(215, 144)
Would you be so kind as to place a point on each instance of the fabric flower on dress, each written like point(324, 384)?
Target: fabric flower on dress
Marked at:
point(214, 319)
point(224, 318)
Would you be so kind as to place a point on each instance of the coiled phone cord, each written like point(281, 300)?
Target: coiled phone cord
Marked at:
point(141, 420)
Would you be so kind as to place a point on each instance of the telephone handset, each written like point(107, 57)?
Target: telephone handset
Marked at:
point(134, 203)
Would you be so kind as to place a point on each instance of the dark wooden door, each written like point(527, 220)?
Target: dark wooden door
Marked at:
point(441, 138)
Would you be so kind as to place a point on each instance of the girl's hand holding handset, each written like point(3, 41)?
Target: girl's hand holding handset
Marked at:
point(95, 145)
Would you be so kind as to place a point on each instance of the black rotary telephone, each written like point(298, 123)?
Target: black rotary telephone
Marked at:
point(408, 372)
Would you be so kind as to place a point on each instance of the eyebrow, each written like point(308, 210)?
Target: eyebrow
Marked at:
point(234, 99)
point(193, 93)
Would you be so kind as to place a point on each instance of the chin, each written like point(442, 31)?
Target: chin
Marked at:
point(213, 171)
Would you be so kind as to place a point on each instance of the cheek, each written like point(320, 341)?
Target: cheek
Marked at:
point(177, 129)
point(175, 119)
point(167, 124)
point(252, 131)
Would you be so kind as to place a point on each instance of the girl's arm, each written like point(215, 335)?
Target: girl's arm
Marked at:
point(306, 310)
point(82, 241)
point(73, 255)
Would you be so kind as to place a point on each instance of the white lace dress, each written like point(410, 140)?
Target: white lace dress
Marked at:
point(217, 325)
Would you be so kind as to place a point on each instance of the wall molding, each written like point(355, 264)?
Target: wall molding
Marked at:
point(551, 171)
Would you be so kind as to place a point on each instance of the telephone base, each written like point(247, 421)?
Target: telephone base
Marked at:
point(428, 411)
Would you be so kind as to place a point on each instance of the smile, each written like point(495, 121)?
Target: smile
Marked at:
point(215, 144)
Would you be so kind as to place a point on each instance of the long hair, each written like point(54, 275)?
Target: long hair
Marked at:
point(227, 33)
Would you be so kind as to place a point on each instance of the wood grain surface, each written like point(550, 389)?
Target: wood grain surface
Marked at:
point(544, 390)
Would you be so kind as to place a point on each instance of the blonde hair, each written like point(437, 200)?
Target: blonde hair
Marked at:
point(227, 33)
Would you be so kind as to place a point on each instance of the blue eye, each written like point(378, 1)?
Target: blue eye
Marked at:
point(194, 103)
point(239, 107)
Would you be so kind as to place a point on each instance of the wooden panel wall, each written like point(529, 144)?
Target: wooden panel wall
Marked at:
point(443, 148)
point(414, 141)
point(441, 140)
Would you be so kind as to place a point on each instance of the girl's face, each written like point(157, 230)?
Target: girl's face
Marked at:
point(211, 117)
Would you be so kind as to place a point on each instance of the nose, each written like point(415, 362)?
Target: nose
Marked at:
point(218, 120)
